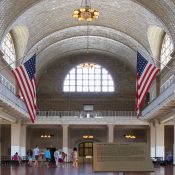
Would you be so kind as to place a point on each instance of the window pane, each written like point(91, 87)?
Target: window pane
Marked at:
point(104, 88)
point(97, 82)
point(66, 82)
point(8, 50)
point(97, 76)
point(97, 88)
point(85, 88)
point(111, 89)
point(105, 76)
point(72, 76)
point(79, 88)
point(85, 82)
point(104, 82)
point(72, 88)
point(79, 70)
point(104, 71)
point(79, 76)
point(66, 88)
point(91, 76)
point(72, 71)
point(85, 76)
point(166, 50)
point(85, 70)
point(91, 82)
point(79, 82)
point(110, 82)
point(67, 76)
point(97, 71)
point(91, 88)
point(72, 82)
point(91, 71)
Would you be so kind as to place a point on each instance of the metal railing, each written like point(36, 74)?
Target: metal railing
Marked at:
point(165, 96)
point(11, 99)
point(85, 114)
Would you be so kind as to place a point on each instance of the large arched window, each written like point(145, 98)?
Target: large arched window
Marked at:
point(166, 50)
point(8, 50)
point(92, 79)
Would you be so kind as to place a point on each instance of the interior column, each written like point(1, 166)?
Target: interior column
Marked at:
point(160, 147)
point(174, 145)
point(153, 139)
point(65, 139)
point(18, 139)
point(111, 133)
point(0, 145)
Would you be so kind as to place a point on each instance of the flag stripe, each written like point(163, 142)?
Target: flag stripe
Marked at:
point(148, 86)
point(16, 73)
point(27, 84)
point(24, 89)
point(25, 77)
point(146, 81)
point(145, 75)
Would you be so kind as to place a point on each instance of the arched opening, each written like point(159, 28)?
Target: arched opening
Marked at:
point(88, 77)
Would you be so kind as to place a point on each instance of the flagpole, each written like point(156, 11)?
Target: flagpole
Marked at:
point(22, 58)
point(172, 70)
point(10, 64)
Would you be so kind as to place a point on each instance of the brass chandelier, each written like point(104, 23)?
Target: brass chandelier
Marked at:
point(87, 65)
point(85, 12)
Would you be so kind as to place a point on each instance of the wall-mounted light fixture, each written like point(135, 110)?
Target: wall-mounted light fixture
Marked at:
point(129, 136)
point(88, 136)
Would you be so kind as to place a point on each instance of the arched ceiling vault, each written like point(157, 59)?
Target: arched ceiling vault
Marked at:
point(78, 45)
point(121, 29)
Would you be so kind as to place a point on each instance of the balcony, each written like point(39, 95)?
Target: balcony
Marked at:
point(162, 106)
point(11, 104)
point(88, 117)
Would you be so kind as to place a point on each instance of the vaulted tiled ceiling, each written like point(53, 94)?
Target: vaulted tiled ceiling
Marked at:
point(121, 30)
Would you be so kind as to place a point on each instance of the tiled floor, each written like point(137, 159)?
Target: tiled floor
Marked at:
point(69, 170)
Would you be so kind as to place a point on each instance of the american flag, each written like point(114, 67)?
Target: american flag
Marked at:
point(146, 73)
point(25, 77)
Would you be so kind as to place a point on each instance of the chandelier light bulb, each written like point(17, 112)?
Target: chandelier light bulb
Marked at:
point(76, 12)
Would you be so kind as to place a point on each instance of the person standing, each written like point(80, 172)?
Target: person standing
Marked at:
point(30, 155)
point(47, 156)
point(56, 154)
point(36, 155)
point(75, 157)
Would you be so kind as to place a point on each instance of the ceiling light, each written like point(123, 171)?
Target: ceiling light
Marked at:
point(85, 12)
point(129, 135)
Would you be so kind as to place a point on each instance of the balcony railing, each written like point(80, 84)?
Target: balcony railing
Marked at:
point(162, 99)
point(85, 114)
point(11, 99)
point(88, 117)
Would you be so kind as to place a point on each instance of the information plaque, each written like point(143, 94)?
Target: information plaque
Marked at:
point(121, 157)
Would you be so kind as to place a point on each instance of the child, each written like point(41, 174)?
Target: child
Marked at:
point(30, 155)
point(60, 159)
point(47, 156)
point(56, 154)
point(75, 158)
